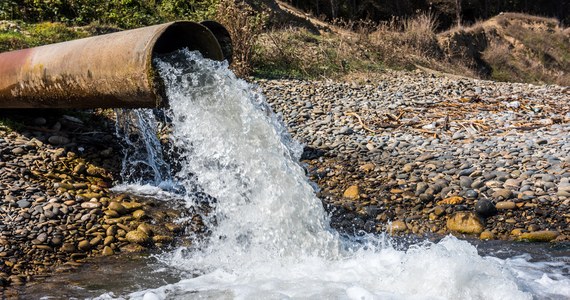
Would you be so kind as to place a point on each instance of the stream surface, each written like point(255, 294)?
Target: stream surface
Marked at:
point(270, 236)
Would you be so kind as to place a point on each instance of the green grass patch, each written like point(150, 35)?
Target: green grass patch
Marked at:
point(19, 35)
point(9, 125)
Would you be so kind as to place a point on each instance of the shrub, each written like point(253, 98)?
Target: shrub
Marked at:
point(244, 25)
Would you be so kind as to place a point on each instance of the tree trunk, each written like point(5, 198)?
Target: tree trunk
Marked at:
point(458, 12)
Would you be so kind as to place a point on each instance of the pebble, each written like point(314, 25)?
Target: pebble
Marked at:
point(58, 140)
point(117, 207)
point(53, 199)
point(505, 205)
point(496, 161)
point(351, 192)
point(487, 235)
point(397, 226)
point(107, 251)
point(84, 245)
point(23, 203)
point(471, 194)
point(502, 194)
point(465, 181)
point(18, 150)
point(137, 237)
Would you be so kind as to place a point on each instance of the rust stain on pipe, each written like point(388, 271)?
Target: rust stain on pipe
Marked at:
point(107, 71)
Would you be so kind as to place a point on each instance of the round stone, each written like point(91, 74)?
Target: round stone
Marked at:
point(118, 207)
point(107, 251)
point(471, 194)
point(23, 203)
point(84, 245)
point(505, 205)
point(485, 208)
point(487, 235)
point(137, 237)
point(397, 226)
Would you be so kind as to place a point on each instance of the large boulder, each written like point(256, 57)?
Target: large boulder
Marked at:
point(465, 222)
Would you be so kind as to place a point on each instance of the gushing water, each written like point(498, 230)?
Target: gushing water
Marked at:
point(270, 235)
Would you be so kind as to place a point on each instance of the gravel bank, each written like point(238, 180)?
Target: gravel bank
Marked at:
point(411, 152)
point(55, 205)
point(407, 153)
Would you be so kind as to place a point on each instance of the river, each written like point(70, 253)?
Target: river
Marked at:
point(270, 236)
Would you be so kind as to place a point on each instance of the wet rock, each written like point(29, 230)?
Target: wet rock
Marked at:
point(118, 207)
point(485, 208)
point(397, 226)
point(352, 192)
point(84, 245)
point(80, 169)
point(68, 247)
point(465, 222)
point(131, 206)
point(145, 228)
point(137, 237)
point(58, 140)
point(539, 236)
point(133, 248)
point(173, 227)
point(487, 235)
point(162, 239)
point(139, 214)
point(107, 251)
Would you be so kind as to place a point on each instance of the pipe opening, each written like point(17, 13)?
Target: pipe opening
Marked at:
point(177, 36)
point(188, 35)
point(223, 37)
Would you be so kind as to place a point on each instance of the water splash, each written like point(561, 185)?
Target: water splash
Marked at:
point(244, 158)
point(271, 238)
point(143, 158)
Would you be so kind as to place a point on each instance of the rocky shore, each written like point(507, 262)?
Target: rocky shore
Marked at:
point(55, 204)
point(406, 153)
point(412, 152)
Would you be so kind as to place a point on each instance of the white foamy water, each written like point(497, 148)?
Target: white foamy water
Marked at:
point(270, 235)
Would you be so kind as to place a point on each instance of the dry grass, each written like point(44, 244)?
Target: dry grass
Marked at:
point(528, 49)
point(244, 25)
point(297, 53)
point(509, 47)
point(411, 40)
point(350, 47)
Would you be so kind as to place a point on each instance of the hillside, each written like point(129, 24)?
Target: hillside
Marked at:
point(508, 47)
point(269, 35)
point(513, 47)
point(469, 12)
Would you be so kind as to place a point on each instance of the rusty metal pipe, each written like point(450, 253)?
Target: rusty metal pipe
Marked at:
point(106, 71)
